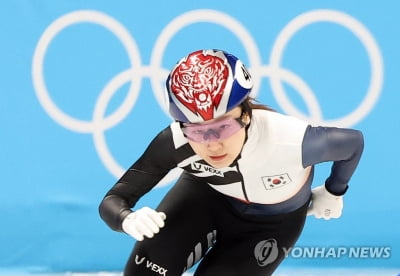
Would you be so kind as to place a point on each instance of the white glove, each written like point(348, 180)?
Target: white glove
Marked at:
point(144, 222)
point(324, 204)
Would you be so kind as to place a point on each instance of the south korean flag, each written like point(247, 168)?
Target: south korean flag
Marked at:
point(276, 181)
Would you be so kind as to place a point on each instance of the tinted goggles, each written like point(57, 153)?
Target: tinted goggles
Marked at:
point(208, 132)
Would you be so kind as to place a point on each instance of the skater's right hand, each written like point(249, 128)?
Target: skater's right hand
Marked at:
point(144, 222)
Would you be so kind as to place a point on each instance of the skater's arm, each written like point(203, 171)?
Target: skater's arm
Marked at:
point(139, 179)
point(342, 146)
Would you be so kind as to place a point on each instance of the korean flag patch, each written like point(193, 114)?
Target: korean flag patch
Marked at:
point(276, 181)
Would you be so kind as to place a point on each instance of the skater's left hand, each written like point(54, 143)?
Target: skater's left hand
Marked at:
point(324, 204)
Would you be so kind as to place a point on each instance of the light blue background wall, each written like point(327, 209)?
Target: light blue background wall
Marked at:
point(77, 107)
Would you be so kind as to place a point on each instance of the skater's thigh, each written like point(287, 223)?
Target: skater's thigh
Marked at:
point(253, 247)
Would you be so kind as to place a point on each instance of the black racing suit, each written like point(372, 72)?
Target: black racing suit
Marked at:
point(239, 220)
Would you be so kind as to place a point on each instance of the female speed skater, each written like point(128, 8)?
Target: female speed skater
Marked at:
point(245, 188)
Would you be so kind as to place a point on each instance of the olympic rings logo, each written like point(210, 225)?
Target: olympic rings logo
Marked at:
point(276, 74)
